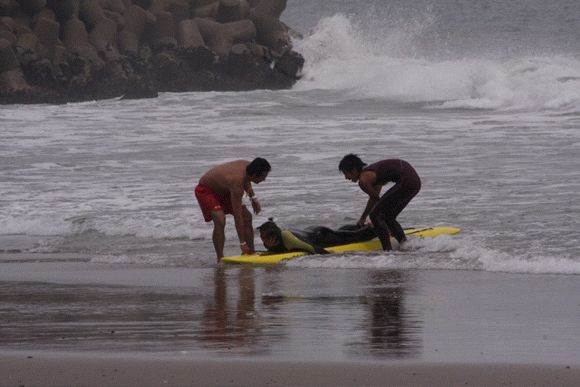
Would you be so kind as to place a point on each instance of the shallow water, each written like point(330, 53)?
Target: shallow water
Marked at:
point(115, 178)
point(289, 313)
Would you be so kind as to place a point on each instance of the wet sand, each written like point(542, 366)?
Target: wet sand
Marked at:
point(112, 370)
point(71, 322)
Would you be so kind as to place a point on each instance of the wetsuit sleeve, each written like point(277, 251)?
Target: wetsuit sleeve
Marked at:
point(292, 242)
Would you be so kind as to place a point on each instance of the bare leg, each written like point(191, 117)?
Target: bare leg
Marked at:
point(219, 237)
point(382, 230)
point(248, 228)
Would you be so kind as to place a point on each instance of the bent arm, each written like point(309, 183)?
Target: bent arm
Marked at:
point(253, 198)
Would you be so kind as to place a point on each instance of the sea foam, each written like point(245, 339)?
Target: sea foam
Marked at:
point(444, 253)
point(340, 56)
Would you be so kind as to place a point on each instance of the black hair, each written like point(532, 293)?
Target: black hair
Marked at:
point(270, 228)
point(258, 167)
point(351, 162)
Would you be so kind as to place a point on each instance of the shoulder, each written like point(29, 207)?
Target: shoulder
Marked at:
point(367, 177)
point(235, 164)
point(287, 234)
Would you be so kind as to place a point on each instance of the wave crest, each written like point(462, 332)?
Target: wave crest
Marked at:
point(387, 65)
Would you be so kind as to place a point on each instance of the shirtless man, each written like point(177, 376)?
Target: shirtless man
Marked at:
point(220, 192)
point(383, 210)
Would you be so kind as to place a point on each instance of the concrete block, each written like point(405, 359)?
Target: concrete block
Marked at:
point(65, 9)
point(12, 81)
point(103, 34)
point(91, 13)
point(188, 35)
point(32, 6)
point(47, 30)
point(8, 59)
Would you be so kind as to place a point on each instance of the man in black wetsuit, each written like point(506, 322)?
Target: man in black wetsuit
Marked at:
point(383, 210)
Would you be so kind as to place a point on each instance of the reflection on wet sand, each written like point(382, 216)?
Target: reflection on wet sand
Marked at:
point(223, 327)
point(226, 311)
point(382, 326)
point(392, 331)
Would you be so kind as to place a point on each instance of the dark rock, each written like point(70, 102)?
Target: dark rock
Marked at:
point(45, 13)
point(65, 9)
point(140, 88)
point(271, 33)
point(92, 49)
point(32, 6)
point(221, 37)
point(229, 11)
point(205, 9)
point(47, 30)
point(180, 10)
point(8, 59)
point(40, 73)
point(188, 35)
point(12, 81)
point(103, 34)
point(271, 8)
point(162, 33)
point(291, 64)
point(9, 36)
point(7, 7)
point(91, 13)
point(145, 4)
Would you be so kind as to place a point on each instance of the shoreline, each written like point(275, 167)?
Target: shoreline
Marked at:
point(86, 324)
point(88, 369)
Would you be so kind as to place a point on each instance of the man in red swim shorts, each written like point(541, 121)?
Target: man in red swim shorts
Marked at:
point(220, 192)
point(383, 210)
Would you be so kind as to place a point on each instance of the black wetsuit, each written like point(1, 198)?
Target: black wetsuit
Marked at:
point(407, 185)
point(315, 238)
point(327, 237)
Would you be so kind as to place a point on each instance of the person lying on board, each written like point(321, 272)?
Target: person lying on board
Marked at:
point(313, 239)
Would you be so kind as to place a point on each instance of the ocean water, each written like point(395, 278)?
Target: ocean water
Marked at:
point(483, 98)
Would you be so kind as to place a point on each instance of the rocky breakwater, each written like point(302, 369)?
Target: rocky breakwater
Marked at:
point(57, 51)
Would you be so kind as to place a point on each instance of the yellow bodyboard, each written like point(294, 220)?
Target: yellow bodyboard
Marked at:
point(372, 245)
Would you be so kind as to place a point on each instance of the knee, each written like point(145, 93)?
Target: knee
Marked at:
point(381, 218)
point(375, 216)
point(219, 219)
point(247, 216)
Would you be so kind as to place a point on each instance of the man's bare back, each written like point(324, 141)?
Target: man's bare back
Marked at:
point(226, 177)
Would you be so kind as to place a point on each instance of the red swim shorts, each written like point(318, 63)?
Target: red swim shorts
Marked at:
point(209, 201)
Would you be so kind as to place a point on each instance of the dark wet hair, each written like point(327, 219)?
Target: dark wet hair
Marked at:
point(270, 229)
point(351, 162)
point(258, 167)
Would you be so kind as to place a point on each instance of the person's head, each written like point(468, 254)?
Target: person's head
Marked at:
point(270, 234)
point(351, 166)
point(258, 170)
